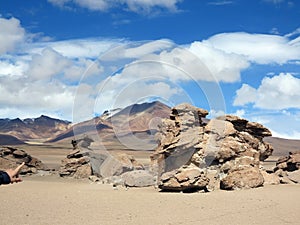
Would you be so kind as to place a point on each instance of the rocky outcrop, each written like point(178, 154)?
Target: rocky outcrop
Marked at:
point(289, 163)
point(287, 168)
point(11, 157)
point(83, 163)
point(194, 153)
point(76, 164)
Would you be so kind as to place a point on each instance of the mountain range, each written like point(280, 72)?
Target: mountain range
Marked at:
point(133, 127)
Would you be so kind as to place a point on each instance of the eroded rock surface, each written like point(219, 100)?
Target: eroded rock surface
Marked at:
point(11, 157)
point(196, 153)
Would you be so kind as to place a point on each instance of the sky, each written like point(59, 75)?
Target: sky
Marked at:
point(74, 59)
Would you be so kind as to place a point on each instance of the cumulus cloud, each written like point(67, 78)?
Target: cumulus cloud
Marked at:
point(47, 64)
point(24, 97)
point(258, 48)
point(11, 34)
point(8, 68)
point(222, 65)
point(278, 92)
point(137, 6)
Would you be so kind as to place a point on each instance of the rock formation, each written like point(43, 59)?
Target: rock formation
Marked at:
point(288, 168)
point(194, 153)
point(76, 164)
point(82, 163)
point(11, 157)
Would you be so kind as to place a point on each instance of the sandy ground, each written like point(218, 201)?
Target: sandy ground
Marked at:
point(53, 200)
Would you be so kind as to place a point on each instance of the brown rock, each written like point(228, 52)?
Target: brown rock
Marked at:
point(12, 157)
point(289, 163)
point(230, 146)
point(84, 171)
point(184, 179)
point(244, 177)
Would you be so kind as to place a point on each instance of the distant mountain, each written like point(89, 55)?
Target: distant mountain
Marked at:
point(137, 121)
point(43, 127)
point(130, 128)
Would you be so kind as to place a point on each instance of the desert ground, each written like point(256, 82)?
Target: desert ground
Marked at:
point(48, 199)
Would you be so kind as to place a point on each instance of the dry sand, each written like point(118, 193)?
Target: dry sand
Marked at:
point(53, 200)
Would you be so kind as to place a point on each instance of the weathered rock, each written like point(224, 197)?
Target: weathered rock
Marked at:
point(214, 180)
point(11, 157)
point(84, 171)
point(184, 179)
point(270, 178)
point(75, 167)
point(115, 166)
point(82, 163)
point(289, 163)
point(244, 177)
point(138, 178)
point(230, 145)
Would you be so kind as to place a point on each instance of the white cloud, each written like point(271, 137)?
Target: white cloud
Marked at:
point(137, 6)
point(77, 48)
point(82, 67)
point(8, 68)
point(258, 48)
point(47, 64)
point(23, 96)
point(222, 65)
point(278, 92)
point(246, 94)
point(11, 34)
point(137, 49)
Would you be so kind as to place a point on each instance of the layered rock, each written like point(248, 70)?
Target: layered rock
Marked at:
point(11, 157)
point(289, 163)
point(82, 163)
point(223, 152)
point(76, 164)
point(288, 168)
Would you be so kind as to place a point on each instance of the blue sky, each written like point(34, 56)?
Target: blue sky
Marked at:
point(74, 59)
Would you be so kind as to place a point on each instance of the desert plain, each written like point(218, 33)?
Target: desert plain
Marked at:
point(49, 199)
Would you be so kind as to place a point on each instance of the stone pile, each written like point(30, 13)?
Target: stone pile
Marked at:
point(194, 153)
point(122, 169)
point(11, 157)
point(76, 164)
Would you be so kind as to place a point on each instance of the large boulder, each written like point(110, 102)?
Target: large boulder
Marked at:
point(229, 147)
point(184, 179)
point(138, 178)
point(243, 177)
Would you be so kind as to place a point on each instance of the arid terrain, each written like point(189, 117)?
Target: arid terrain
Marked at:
point(46, 198)
point(53, 200)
